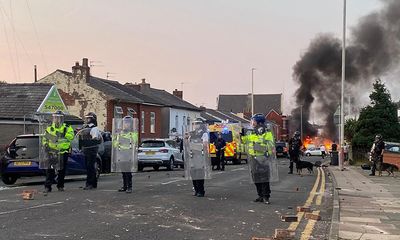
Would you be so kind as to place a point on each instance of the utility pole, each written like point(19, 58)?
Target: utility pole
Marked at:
point(252, 91)
point(35, 73)
point(341, 156)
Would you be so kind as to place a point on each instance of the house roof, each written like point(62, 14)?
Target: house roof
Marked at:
point(219, 116)
point(17, 100)
point(133, 92)
point(168, 99)
point(263, 103)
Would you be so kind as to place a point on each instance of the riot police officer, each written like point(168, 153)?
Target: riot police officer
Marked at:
point(260, 147)
point(124, 155)
point(57, 143)
point(377, 154)
point(90, 145)
point(295, 145)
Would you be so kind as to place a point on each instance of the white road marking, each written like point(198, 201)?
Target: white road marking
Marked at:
point(176, 180)
point(33, 207)
point(238, 169)
point(9, 188)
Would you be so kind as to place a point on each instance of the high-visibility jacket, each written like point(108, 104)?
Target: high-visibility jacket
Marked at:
point(259, 145)
point(58, 138)
point(124, 141)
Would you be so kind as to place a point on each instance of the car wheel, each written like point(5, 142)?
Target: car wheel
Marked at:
point(170, 166)
point(9, 179)
point(308, 154)
point(156, 168)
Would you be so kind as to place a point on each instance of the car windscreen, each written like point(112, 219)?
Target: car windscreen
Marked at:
point(27, 148)
point(226, 136)
point(152, 144)
point(280, 144)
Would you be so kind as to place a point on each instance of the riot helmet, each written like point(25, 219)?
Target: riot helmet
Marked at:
point(378, 137)
point(58, 118)
point(296, 134)
point(258, 119)
point(91, 118)
point(127, 124)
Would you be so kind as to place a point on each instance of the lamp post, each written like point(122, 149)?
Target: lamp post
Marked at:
point(252, 91)
point(341, 156)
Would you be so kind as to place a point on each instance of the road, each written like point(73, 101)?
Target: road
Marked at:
point(162, 207)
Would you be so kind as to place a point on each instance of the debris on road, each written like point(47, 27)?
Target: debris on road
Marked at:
point(284, 234)
point(289, 218)
point(312, 216)
point(28, 194)
point(303, 209)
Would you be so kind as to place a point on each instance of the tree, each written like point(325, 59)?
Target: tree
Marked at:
point(380, 117)
point(350, 129)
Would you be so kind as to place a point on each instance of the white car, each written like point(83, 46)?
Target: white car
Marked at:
point(313, 151)
point(158, 153)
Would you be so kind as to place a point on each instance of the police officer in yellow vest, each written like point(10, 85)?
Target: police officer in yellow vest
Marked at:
point(260, 146)
point(57, 143)
point(125, 145)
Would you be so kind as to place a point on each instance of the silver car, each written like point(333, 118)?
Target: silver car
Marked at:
point(158, 153)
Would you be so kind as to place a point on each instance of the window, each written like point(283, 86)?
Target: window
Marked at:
point(184, 120)
point(118, 112)
point(131, 112)
point(188, 121)
point(152, 122)
point(142, 122)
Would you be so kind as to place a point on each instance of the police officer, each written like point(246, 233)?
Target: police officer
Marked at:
point(295, 145)
point(260, 144)
point(220, 145)
point(57, 142)
point(377, 154)
point(91, 142)
point(126, 141)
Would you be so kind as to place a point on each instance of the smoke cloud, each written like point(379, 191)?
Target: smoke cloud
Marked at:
point(373, 49)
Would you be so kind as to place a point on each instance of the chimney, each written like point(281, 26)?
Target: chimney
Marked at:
point(143, 85)
point(178, 94)
point(81, 73)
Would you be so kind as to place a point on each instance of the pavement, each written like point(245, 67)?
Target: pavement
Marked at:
point(162, 207)
point(365, 207)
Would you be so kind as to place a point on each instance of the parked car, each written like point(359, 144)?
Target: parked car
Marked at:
point(281, 149)
point(392, 153)
point(313, 151)
point(158, 153)
point(22, 160)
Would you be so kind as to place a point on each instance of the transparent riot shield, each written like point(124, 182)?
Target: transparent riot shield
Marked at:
point(124, 145)
point(87, 143)
point(49, 155)
point(261, 158)
point(196, 153)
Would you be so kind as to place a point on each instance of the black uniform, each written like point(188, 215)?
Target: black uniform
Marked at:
point(294, 151)
point(90, 149)
point(220, 145)
point(376, 155)
point(198, 184)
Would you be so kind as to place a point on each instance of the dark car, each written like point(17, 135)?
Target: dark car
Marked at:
point(22, 160)
point(281, 149)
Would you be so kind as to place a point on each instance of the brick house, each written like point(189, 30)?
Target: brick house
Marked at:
point(281, 122)
point(176, 112)
point(83, 93)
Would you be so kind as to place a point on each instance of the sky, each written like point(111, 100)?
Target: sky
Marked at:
point(206, 47)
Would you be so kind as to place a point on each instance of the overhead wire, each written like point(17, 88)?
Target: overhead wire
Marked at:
point(16, 34)
point(8, 43)
point(37, 35)
point(15, 42)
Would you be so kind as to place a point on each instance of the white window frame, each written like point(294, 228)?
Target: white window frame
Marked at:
point(152, 122)
point(131, 111)
point(118, 112)
point(142, 119)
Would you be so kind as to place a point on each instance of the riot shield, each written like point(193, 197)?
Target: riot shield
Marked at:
point(87, 143)
point(261, 158)
point(49, 155)
point(124, 145)
point(196, 153)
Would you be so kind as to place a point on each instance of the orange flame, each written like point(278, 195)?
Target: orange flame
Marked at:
point(317, 142)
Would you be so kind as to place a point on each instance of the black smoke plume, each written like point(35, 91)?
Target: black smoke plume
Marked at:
point(372, 50)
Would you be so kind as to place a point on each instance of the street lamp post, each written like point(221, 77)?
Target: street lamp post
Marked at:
point(252, 91)
point(301, 122)
point(341, 157)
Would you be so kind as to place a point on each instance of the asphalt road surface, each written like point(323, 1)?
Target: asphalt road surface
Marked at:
point(162, 207)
